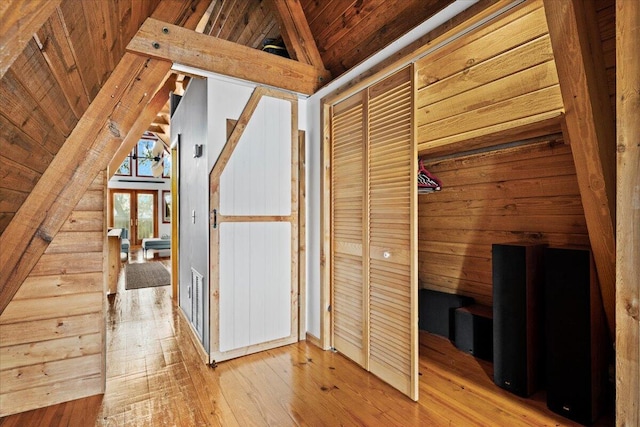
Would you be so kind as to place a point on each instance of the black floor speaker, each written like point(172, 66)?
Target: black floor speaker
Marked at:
point(577, 339)
point(517, 316)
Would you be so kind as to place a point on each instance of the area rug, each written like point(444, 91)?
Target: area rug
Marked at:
point(146, 275)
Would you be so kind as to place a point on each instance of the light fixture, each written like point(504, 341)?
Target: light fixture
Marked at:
point(155, 159)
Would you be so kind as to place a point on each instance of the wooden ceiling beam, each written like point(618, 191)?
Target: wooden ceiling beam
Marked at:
point(590, 129)
point(142, 123)
point(19, 20)
point(206, 18)
point(165, 140)
point(160, 40)
point(87, 151)
point(160, 118)
point(155, 128)
point(178, 81)
point(296, 33)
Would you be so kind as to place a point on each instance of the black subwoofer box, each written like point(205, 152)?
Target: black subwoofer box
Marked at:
point(474, 330)
point(517, 316)
point(577, 338)
point(436, 309)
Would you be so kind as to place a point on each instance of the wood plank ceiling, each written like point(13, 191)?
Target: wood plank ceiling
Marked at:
point(52, 82)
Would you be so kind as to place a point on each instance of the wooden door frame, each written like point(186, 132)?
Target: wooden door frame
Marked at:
point(475, 16)
point(175, 230)
point(134, 210)
point(302, 237)
point(156, 207)
point(112, 192)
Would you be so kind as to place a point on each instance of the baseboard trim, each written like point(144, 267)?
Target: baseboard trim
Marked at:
point(312, 339)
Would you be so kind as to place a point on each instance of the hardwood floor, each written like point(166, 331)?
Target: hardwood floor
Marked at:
point(155, 378)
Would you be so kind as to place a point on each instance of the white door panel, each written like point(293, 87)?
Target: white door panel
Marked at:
point(257, 178)
point(255, 283)
point(254, 238)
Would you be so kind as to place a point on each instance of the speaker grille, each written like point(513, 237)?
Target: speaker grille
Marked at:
point(568, 331)
point(516, 316)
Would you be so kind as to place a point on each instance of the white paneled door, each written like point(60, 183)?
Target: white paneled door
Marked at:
point(255, 235)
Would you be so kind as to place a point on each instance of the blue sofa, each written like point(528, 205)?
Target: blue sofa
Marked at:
point(124, 242)
point(155, 243)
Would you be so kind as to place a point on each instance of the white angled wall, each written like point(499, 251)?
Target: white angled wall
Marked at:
point(225, 100)
point(257, 178)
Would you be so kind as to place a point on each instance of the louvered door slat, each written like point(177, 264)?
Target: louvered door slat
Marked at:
point(393, 334)
point(347, 231)
point(373, 264)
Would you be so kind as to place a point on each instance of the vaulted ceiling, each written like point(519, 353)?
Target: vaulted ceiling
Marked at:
point(69, 48)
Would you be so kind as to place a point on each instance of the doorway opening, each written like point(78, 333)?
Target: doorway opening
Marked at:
point(136, 212)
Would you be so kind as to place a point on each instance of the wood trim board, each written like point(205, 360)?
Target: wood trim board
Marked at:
point(628, 214)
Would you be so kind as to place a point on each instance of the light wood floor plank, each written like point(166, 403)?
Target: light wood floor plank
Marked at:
point(155, 378)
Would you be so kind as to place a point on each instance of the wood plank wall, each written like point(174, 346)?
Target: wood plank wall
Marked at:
point(52, 332)
point(521, 194)
point(497, 78)
point(489, 83)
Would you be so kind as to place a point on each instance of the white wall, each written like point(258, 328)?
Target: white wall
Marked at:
point(189, 126)
point(225, 100)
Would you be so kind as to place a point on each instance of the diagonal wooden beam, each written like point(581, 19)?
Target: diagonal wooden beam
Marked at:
point(241, 124)
point(19, 20)
point(77, 163)
point(296, 33)
point(628, 217)
point(87, 151)
point(142, 123)
point(160, 40)
point(590, 130)
point(164, 138)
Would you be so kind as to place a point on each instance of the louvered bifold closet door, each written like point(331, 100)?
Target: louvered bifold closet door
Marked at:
point(348, 230)
point(392, 209)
